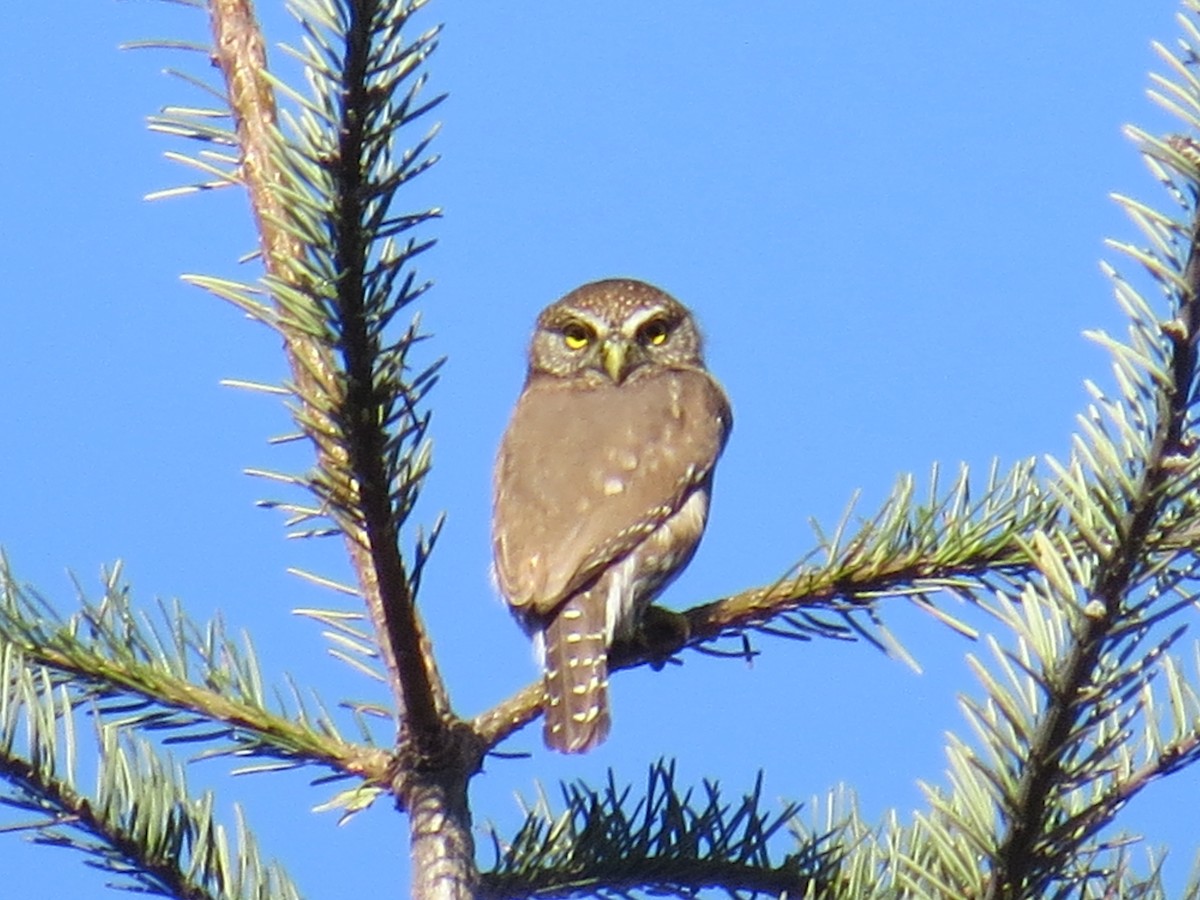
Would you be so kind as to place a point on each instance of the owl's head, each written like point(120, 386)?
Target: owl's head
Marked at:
point(614, 331)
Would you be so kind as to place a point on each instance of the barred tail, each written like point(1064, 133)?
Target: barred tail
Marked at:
point(576, 676)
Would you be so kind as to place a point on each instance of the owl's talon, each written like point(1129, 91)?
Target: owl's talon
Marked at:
point(662, 634)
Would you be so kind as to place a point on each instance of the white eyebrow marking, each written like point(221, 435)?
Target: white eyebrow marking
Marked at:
point(640, 318)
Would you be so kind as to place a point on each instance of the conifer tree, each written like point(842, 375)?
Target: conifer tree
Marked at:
point(1085, 566)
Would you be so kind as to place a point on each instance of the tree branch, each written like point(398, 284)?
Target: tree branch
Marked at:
point(139, 823)
point(841, 589)
point(1017, 862)
point(436, 755)
point(384, 580)
point(664, 839)
point(850, 585)
point(375, 552)
point(76, 811)
point(686, 879)
point(286, 738)
point(190, 680)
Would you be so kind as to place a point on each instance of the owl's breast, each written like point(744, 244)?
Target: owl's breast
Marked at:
point(586, 473)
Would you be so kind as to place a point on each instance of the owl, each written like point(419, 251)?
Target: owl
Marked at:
point(602, 485)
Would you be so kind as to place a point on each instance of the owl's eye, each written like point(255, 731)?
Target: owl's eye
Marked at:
point(654, 332)
point(576, 336)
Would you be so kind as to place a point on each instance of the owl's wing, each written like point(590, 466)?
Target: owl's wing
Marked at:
point(584, 475)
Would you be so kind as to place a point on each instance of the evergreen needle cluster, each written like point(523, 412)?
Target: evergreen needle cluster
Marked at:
point(1085, 566)
point(139, 823)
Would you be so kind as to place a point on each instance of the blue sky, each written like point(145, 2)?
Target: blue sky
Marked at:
point(887, 219)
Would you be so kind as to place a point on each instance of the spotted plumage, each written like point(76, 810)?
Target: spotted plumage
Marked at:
point(602, 484)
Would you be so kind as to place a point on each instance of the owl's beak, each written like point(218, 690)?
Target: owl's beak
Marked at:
point(614, 354)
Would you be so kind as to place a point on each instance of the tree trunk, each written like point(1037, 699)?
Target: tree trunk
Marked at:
point(442, 847)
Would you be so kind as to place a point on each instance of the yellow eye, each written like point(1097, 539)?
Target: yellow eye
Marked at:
point(576, 336)
point(654, 332)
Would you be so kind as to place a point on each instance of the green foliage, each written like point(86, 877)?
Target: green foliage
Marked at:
point(140, 824)
point(333, 172)
point(1083, 704)
point(173, 676)
point(615, 843)
point(1085, 574)
point(341, 175)
point(1084, 567)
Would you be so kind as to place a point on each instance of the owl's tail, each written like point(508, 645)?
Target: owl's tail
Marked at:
point(576, 676)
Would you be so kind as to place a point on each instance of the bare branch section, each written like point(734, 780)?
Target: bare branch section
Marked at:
point(374, 549)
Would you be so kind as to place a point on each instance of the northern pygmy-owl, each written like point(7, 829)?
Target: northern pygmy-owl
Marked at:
point(602, 484)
